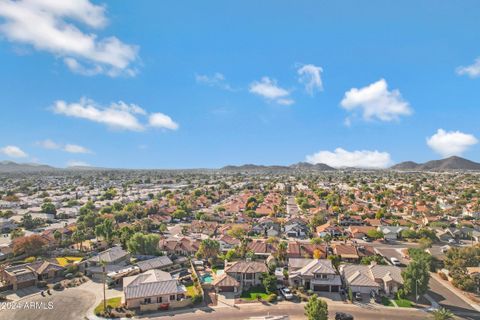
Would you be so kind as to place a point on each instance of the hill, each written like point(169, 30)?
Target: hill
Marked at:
point(451, 163)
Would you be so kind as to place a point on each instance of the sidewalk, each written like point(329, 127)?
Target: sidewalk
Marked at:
point(456, 291)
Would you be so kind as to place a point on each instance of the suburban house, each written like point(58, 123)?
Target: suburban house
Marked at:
point(161, 262)
point(180, 246)
point(19, 277)
point(391, 232)
point(115, 259)
point(374, 277)
point(317, 275)
point(245, 273)
point(329, 228)
point(153, 290)
point(296, 228)
point(359, 232)
point(28, 274)
point(303, 249)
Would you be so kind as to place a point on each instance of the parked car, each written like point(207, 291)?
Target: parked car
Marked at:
point(286, 293)
point(366, 239)
point(358, 296)
point(343, 316)
point(395, 261)
point(452, 241)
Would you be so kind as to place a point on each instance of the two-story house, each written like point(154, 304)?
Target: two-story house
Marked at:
point(317, 275)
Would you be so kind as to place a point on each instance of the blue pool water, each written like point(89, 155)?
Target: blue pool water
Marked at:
point(207, 278)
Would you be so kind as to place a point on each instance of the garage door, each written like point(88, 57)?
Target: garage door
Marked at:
point(321, 288)
point(335, 288)
point(365, 290)
point(226, 289)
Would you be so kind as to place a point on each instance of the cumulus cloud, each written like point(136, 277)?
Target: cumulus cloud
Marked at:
point(359, 159)
point(450, 143)
point(375, 101)
point(215, 80)
point(70, 148)
point(160, 120)
point(310, 76)
point(268, 89)
point(118, 115)
point(54, 26)
point(472, 70)
point(13, 152)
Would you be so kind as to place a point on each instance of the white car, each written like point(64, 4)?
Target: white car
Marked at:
point(287, 293)
point(452, 241)
point(395, 262)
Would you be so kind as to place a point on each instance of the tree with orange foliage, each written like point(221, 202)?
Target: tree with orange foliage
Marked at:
point(31, 245)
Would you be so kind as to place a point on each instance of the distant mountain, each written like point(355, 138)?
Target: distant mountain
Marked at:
point(451, 163)
point(301, 166)
point(10, 166)
point(309, 166)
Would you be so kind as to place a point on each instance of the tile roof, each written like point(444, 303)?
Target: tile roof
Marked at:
point(247, 267)
point(151, 283)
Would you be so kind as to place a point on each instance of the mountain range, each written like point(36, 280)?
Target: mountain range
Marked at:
point(451, 163)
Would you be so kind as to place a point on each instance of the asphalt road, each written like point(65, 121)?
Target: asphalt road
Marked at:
point(451, 301)
point(296, 312)
point(67, 304)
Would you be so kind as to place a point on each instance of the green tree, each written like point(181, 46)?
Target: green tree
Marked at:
point(416, 277)
point(316, 309)
point(269, 281)
point(49, 208)
point(375, 234)
point(141, 243)
point(208, 249)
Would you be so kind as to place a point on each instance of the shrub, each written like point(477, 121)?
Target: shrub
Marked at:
point(272, 297)
point(69, 276)
point(197, 298)
point(57, 286)
point(30, 259)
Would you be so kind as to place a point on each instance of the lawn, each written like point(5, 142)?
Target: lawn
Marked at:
point(404, 303)
point(64, 261)
point(387, 302)
point(191, 291)
point(253, 293)
point(113, 302)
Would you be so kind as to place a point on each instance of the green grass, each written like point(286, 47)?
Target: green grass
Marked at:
point(387, 302)
point(113, 302)
point(253, 293)
point(191, 291)
point(404, 303)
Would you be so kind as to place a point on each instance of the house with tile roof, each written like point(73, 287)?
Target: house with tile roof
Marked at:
point(246, 273)
point(153, 290)
point(374, 277)
point(317, 275)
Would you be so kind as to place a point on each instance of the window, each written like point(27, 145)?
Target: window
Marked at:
point(147, 300)
point(172, 297)
point(249, 276)
point(159, 299)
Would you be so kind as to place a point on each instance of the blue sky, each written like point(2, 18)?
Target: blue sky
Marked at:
point(183, 84)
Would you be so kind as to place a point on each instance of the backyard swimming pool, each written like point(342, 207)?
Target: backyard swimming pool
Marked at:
point(206, 278)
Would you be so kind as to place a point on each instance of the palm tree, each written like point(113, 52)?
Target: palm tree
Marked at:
point(104, 264)
point(442, 314)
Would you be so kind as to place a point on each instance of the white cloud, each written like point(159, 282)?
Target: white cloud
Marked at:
point(215, 80)
point(13, 152)
point(73, 148)
point(160, 120)
point(310, 76)
point(268, 89)
point(54, 26)
point(118, 115)
point(472, 70)
point(449, 143)
point(376, 101)
point(343, 158)
point(48, 144)
point(76, 163)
